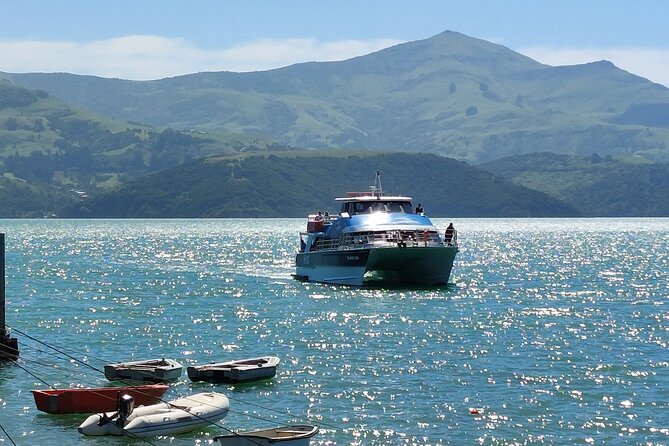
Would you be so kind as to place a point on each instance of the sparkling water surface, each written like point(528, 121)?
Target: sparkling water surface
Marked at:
point(553, 331)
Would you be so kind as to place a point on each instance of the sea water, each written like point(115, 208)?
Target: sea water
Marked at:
point(551, 332)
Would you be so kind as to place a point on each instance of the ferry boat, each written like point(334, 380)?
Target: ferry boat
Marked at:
point(375, 239)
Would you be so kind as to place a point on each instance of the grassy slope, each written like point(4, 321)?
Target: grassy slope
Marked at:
point(597, 186)
point(48, 148)
point(24, 200)
point(449, 94)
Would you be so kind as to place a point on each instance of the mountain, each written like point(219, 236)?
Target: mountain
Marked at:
point(450, 94)
point(600, 187)
point(293, 184)
point(52, 153)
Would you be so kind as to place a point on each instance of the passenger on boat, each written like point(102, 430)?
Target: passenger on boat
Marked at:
point(448, 236)
point(319, 217)
point(419, 209)
point(303, 245)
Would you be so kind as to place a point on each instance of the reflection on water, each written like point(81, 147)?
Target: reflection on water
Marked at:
point(552, 332)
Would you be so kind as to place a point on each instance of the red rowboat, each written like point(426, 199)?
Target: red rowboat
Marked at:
point(95, 399)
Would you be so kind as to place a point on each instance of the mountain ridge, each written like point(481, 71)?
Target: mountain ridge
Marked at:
point(450, 94)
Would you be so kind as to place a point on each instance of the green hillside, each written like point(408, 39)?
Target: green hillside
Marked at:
point(21, 199)
point(450, 94)
point(187, 146)
point(49, 151)
point(596, 186)
point(291, 185)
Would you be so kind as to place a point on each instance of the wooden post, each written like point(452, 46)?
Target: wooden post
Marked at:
point(9, 347)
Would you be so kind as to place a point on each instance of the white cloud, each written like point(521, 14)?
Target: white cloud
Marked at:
point(143, 57)
point(650, 63)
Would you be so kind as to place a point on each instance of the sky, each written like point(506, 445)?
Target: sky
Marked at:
point(154, 39)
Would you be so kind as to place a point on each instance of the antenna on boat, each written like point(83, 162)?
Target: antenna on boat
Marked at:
point(377, 190)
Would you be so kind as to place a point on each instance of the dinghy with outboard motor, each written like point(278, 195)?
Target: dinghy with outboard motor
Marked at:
point(168, 418)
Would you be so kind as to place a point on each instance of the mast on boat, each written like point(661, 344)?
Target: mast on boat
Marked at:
point(377, 190)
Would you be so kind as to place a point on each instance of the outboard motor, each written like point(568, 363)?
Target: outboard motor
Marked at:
point(103, 424)
point(125, 406)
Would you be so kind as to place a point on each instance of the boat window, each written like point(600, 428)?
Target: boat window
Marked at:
point(396, 207)
point(378, 207)
point(362, 208)
point(399, 207)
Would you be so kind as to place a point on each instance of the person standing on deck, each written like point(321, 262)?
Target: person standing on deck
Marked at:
point(450, 232)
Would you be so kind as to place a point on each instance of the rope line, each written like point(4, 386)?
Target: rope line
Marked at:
point(7, 435)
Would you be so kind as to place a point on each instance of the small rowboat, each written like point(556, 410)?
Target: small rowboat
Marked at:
point(173, 417)
point(240, 371)
point(151, 370)
point(94, 399)
point(299, 435)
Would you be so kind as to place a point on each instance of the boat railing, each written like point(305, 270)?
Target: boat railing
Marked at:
point(382, 239)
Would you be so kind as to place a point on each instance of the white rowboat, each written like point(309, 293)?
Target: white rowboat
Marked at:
point(299, 435)
point(239, 371)
point(151, 370)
